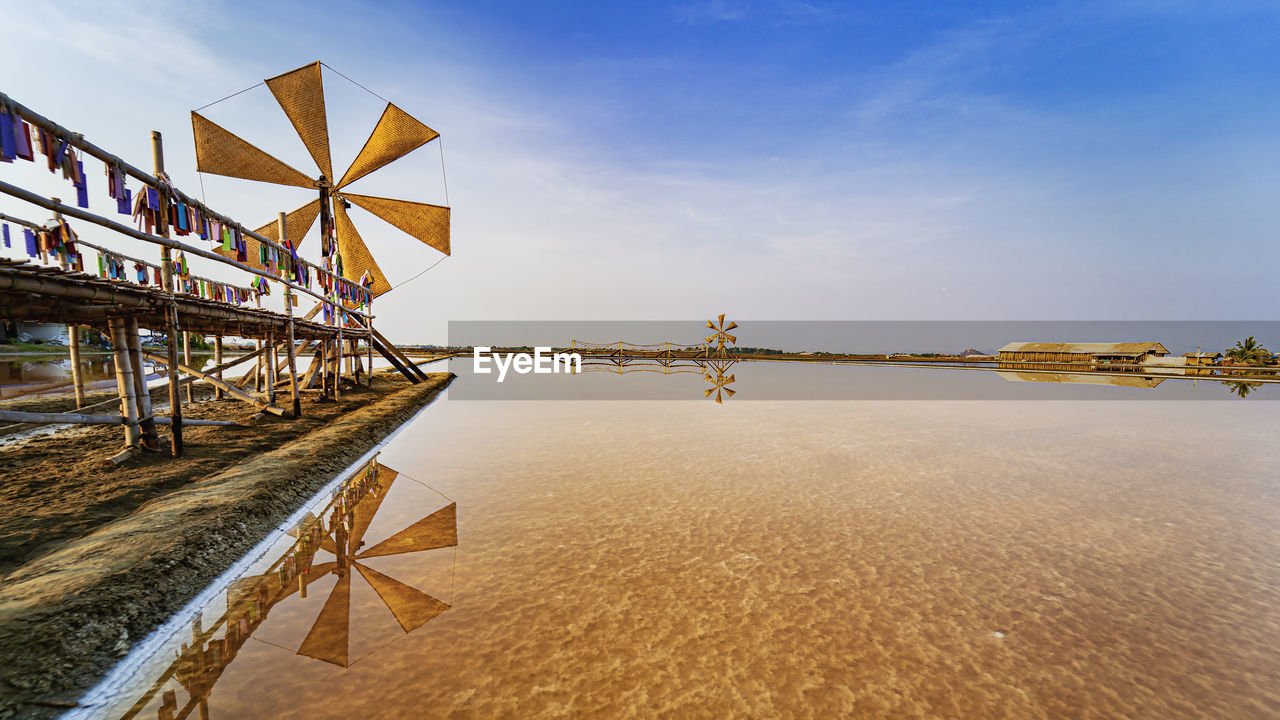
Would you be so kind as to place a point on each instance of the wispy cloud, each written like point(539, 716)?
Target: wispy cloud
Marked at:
point(778, 12)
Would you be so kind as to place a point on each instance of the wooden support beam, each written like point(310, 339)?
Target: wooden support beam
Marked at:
point(186, 359)
point(271, 369)
point(404, 359)
point(171, 308)
point(309, 378)
point(150, 437)
point(337, 374)
point(124, 381)
point(281, 229)
point(77, 373)
point(234, 392)
point(217, 360)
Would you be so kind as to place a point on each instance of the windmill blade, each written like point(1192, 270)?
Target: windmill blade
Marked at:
point(732, 325)
point(356, 258)
point(437, 530)
point(367, 508)
point(296, 225)
point(301, 95)
point(731, 338)
point(329, 636)
point(707, 393)
point(397, 134)
point(721, 319)
point(428, 223)
point(719, 399)
point(412, 607)
point(710, 325)
point(220, 152)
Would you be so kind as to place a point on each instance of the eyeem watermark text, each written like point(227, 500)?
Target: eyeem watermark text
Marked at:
point(542, 362)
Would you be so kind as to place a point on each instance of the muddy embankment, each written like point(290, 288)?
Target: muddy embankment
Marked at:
point(93, 557)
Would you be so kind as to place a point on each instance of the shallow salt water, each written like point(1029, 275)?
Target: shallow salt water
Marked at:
point(1033, 559)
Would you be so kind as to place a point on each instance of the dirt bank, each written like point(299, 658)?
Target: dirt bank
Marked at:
point(98, 557)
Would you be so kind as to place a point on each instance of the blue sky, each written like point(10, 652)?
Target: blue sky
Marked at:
point(772, 160)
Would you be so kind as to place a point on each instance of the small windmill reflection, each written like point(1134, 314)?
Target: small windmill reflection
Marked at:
point(719, 380)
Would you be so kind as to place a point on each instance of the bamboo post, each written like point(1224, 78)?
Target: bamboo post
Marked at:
point(171, 320)
point(186, 360)
point(270, 377)
point(337, 379)
point(217, 360)
point(257, 366)
point(149, 435)
point(323, 349)
point(369, 349)
point(124, 382)
point(288, 311)
point(77, 373)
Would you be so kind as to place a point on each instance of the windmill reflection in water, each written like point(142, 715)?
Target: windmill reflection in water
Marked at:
point(330, 545)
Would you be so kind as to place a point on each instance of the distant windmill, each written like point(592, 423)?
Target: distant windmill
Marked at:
point(721, 335)
point(300, 94)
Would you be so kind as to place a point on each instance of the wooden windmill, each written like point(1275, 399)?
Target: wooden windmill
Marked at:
point(300, 94)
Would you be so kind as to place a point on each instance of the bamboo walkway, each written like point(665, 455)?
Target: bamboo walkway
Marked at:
point(177, 308)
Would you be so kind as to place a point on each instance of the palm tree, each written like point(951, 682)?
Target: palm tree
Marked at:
point(1249, 351)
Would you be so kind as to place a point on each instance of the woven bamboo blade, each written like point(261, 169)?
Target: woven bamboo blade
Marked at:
point(356, 258)
point(437, 530)
point(397, 134)
point(297, 224)
point(412, 607)
point(220, 152)
point(428, 223)
point(301, 95)
point(329, 636)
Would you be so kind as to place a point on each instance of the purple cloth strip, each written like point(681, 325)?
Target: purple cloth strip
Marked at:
point(82, 190)
point(8, 146)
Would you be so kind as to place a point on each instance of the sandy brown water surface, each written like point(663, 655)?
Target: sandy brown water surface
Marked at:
point(772, 559)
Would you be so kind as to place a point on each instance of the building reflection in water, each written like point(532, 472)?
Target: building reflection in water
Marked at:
point(330, 545)
point(1082, 378)
point(715, 371)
